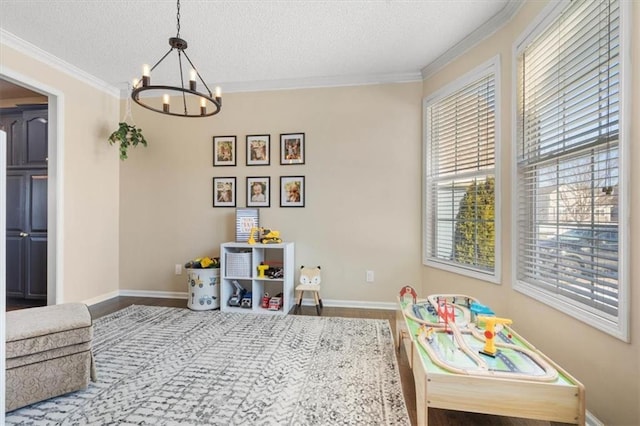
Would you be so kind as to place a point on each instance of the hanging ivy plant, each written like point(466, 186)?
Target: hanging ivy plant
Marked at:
point(127, 135)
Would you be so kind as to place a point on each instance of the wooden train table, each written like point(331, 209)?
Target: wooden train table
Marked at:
point(465, 358)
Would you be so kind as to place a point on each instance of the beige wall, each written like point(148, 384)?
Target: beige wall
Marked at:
point(363, 168)
point(608, 367)
point(88, 259)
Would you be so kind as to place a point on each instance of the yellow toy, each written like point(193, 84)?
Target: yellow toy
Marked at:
point(490, 334)
point(270, 237)
point(266, 236)
point(261, 268)
point(427, 331)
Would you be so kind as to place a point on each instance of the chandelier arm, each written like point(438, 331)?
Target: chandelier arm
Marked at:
point(184, 96)
point(180, 67)
point(161, 59)
point(197, 73)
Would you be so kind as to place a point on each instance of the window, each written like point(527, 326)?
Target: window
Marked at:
point(569, 185)
point(460, 176)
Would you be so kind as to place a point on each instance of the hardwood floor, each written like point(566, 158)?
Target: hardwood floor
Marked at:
point(437, 417)
point(13, 304)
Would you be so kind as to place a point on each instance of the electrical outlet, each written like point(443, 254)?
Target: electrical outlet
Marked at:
point(370, 276)
point(178, 269)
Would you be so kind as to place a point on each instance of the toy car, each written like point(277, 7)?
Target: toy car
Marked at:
point(246, 301)
point(275, 272)
point(275, 303)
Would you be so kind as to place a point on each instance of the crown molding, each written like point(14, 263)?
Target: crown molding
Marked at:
point(28, 49)
point(496, 22)
point(321, 82)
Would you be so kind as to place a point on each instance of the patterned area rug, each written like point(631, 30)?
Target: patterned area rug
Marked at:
point(170, 366)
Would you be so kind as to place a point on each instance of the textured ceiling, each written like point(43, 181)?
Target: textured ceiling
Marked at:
point(248, 44)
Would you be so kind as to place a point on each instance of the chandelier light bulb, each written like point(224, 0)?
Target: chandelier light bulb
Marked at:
point(203, 106)
point(165, 103)
point(146, 78)
point(192, 80)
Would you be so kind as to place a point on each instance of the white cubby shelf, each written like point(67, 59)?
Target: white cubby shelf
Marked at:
point(231, 260)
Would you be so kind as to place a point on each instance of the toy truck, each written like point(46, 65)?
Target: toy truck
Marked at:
point(238, 294)
point(246, 301)
point(275, 303)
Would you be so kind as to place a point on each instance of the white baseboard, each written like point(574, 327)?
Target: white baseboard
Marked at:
point(592, 420)
point(158, 294)
point(101, 298)
point(351, 304)
point(183, 295)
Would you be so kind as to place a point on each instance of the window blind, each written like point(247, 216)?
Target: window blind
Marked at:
point(460, 177)
point(568, 158)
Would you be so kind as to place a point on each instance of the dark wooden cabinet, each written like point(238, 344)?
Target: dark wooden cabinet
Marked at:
point(34, 151)
point(27, 135)
point(11, 123)
point(27, 189)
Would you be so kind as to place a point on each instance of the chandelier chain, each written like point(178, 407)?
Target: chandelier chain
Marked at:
point(178, 20)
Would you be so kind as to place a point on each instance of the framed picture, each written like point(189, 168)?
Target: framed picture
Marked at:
point(224, 192)
point(292, 148)
point(246, 220)
point(258, 150)
point(258, 191)
point(224, 150)
point(292, 191)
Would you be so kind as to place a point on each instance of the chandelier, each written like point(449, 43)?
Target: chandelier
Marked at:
point(187, 104)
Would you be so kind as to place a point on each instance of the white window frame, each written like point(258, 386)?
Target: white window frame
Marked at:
point(490, 67)
point(617, 327)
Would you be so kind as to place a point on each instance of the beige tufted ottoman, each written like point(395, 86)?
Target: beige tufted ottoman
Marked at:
point(48, 353)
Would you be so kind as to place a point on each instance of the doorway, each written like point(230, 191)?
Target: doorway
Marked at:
point(24, 116)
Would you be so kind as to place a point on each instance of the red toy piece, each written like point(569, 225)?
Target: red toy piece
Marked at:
point(265, 301)
point(408, 290)
point(446, 313)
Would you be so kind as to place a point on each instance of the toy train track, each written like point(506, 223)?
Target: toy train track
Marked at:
point(462, 336)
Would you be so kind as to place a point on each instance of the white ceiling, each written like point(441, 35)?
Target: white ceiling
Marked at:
point(253, 45)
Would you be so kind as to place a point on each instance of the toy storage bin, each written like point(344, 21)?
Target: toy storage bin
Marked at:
point(203, 287)
point(238, 265)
